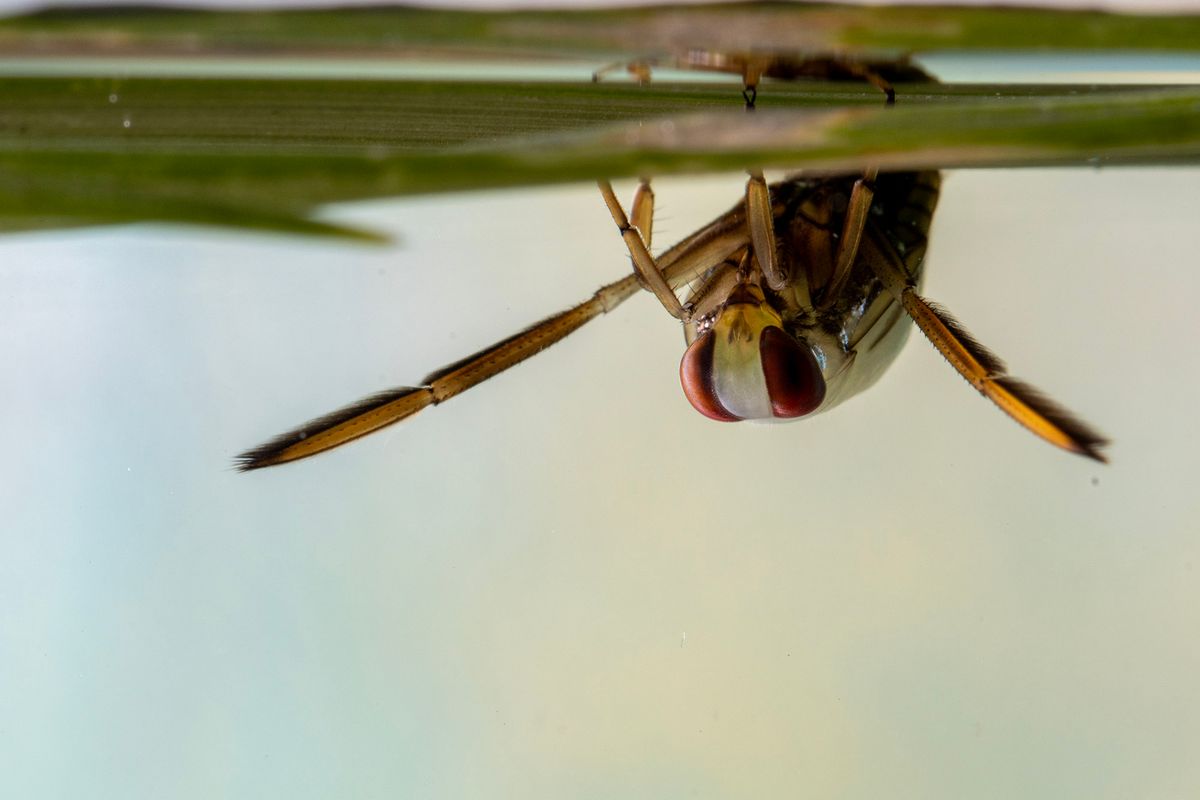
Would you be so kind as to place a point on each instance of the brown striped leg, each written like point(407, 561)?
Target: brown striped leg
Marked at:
point(643, 263)
point(640, 69)
point(982, 369)
point(706, 248)
point(641, 210)
point(751, 75)
point(383, 409)
point(713, 291)
point(753, 67)
point(861, 197)
point(760, 219)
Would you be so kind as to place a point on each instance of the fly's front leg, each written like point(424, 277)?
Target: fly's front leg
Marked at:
point(641, 211)
point(863, 193)
point(861, 196)
point(857, 210)
point(643, 263)
point(760, 219)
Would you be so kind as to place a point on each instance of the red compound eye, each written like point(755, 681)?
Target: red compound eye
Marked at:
point(696, 375)
point(773, 377)
point(794, 381)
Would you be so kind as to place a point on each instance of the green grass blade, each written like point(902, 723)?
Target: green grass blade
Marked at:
point(266, 154)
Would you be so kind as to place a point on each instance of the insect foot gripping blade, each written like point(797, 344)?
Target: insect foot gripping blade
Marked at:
point(746, 367)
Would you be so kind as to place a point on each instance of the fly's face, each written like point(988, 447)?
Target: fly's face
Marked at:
point(745, 366)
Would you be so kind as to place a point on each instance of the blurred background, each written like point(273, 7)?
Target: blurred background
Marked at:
point(25, 5)
point(566, 582)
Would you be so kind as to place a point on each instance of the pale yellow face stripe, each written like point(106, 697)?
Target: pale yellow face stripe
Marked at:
point(738, 378)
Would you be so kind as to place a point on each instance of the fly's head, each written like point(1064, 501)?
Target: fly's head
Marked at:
point(745, 366)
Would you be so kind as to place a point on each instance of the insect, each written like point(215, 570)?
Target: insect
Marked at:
point(791, 303)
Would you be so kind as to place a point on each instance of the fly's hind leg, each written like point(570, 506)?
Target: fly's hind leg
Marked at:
point(974, 362)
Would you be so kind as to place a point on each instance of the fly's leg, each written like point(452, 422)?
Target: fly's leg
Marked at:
point(695, 256)
point(707, 250)
point(718, 256)
point(859, 205)
point(983, 370)
point(759, 214)
point(716, 287)
point(842, 68)
point(714, 290)
point(758, 199)
point(388, 407)
point(760, 225)
point(640, 69)
point(830, 68)
point(641, 210)
point(749, 67)
point(857, 210)
point(751, 75)
point(691, 258)
point(858, 71)
point(643, 263)
point(753, 67)
point(760, 219)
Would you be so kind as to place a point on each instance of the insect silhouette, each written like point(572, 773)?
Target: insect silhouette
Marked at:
point(791, 302)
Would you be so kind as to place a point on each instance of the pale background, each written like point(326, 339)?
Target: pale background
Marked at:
point(566, 583)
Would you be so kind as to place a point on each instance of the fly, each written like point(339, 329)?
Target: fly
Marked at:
point(791, 303)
